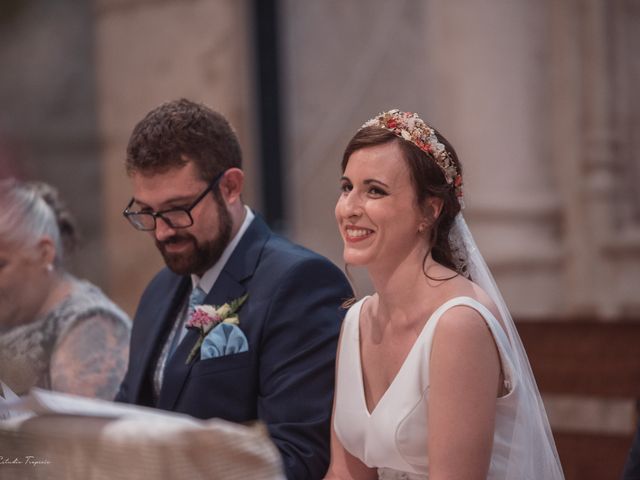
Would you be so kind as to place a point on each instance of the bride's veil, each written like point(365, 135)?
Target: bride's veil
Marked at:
point(533, 455)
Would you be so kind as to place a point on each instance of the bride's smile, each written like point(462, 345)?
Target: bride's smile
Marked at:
point(377, 210)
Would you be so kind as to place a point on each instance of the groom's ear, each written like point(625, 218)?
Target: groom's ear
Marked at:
point(231, 185)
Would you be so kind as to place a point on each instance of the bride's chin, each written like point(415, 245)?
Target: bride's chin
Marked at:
point(355, 260)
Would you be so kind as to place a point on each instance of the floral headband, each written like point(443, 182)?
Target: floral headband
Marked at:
point(410, 127)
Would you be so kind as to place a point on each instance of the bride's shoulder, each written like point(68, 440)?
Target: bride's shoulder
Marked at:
point(462, 323)
point(463, 287)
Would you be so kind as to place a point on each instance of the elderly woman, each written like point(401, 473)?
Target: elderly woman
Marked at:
point(56, 331)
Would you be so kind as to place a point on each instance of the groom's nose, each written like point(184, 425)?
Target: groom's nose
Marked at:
point(163, 231)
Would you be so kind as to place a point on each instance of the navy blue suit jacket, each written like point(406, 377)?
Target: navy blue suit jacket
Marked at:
point(632, 465)
point(291, 319)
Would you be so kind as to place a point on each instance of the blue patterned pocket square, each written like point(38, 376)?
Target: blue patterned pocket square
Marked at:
point(223, 339)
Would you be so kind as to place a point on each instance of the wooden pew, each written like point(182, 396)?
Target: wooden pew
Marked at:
point(591, 359)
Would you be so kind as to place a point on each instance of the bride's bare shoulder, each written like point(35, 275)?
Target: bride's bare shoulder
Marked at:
point(461, 286)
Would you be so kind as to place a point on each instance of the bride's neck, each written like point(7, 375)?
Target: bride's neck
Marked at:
point(401, 288)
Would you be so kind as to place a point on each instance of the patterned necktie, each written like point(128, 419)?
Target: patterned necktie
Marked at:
point(196, 298)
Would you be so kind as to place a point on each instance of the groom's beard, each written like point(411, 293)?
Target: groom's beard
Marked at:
point(200, 257)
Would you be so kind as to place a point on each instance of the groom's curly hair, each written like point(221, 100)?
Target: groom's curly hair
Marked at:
point(181, 130)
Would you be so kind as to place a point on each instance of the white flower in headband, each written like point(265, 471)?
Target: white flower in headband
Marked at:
point(409, 126)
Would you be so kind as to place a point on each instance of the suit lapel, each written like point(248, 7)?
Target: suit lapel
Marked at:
point(177, 370)
point(163, 312)
point(230, 285)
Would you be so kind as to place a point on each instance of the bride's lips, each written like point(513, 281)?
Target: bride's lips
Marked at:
point(354, 234)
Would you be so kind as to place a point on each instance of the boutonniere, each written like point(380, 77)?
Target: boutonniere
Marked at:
point(205, 317)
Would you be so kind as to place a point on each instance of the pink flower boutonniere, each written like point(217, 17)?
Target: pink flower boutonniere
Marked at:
point(205, 317)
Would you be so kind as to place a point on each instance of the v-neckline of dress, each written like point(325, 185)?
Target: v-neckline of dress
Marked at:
point(363, 395)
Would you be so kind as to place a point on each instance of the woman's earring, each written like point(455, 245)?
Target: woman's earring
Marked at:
point(49, 267)
point(421, 227)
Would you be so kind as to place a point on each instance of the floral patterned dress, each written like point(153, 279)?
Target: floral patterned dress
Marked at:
point(26, 350)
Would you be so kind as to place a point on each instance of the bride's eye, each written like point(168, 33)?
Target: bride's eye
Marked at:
point(378, 192)
point(346, 187)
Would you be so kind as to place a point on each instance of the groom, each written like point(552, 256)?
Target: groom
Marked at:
point(277, 364)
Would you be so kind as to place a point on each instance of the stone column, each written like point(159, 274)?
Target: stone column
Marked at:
point(592, 113)
point(623, 247)
point(489, 88)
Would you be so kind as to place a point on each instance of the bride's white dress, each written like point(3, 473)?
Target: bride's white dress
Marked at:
point(393, 437)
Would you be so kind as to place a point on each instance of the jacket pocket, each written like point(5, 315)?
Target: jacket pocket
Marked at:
point(218, 364)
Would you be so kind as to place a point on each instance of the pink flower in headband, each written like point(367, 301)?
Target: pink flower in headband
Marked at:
point(410, 127)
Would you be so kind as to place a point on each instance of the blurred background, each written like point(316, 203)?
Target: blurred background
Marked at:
point(539, 98)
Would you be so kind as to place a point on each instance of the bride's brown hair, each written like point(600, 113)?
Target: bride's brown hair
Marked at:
point(428, 181)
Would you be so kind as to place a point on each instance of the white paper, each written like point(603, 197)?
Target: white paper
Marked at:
point(8, 403)
point(41, 401)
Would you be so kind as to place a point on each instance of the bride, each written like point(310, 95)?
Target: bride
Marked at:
point(432, 379)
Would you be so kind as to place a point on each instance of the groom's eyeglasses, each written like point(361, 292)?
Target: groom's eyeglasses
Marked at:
point(178, 217)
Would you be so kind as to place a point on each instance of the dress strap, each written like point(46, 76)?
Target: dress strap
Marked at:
point(500, 337)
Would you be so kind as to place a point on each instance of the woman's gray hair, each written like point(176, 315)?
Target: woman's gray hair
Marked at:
point(30, 211)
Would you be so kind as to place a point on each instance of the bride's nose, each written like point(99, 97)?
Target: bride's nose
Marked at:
point(350, 205)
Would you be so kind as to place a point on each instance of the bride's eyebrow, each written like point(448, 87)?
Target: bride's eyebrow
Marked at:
point(369, 181)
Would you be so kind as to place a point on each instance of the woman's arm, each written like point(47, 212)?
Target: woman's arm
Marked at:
point(464, 384)
point(91, 358)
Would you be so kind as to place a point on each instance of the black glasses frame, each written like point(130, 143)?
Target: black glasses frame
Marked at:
point(129, 215)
